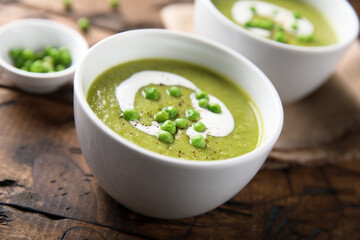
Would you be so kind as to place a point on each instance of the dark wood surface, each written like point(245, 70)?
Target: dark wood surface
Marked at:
point(48, 192)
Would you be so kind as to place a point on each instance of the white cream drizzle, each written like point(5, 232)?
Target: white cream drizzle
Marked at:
point(241, 13)
point(217, 124)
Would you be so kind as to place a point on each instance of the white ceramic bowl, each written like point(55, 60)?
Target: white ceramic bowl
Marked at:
point(295, 71)
point(36, 34)
point(147, 182)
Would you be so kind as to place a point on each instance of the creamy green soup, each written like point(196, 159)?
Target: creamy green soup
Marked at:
point(292, 22)
point(232, 129)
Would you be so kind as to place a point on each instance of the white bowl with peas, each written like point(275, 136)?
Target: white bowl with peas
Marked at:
point(40, 55)
point(296, 70)
point(151, 183)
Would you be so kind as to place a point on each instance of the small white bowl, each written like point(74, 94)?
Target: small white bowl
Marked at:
point(295, 71)
point(36, 34)
point(157, 185)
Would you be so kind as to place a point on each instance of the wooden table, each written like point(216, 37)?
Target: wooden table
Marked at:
point(48, 192)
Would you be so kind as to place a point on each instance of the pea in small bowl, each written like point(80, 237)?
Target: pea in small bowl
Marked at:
point(36, 34)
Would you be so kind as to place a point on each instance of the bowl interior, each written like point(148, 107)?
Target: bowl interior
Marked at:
point(36, 34)
point(141, 44)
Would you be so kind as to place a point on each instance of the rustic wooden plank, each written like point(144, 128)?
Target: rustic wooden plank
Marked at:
point(17, 224)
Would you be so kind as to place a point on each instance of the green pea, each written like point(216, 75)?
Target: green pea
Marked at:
point(28, 54)
point(305, 39)
point(168, 126)
point(67, 4)
point(59, 67)
point(192, 114)
point(279, 37)
point(19, 62)
point(36, 66)
point(174, 91)
point(47, 67)
point(204, 103)
point(172, 111)
point(181, 123)
point(15, 53)
point(297, 14)
point(130, 114)
point(151, 93)
point(48, 48)
point(84, 24)
point(113, 3)
point(198, 141)
point(253, 9)
point(215, 108)
point(55, 54)
point(201, 94)
point(294, 26)
point(161, 116)
point(199, 127)
point(165, 136)
point(65, 57)
point(266, 24)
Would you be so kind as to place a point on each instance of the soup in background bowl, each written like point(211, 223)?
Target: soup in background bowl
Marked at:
point(149, 182)
point(296, 71)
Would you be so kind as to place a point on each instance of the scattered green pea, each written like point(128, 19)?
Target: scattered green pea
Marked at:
point(151, 93)
point(181, 123)
point(84, 24)
point(165, 136)
point(161, 116)
point(168, 126)
point(279, 37)
point(199, 127)
point(192, 115)
point(113, 3)
point(204, 103)
point(172, 111)
point(67, 4)
point(215, 108)
point(198, 141)
point(297, 14)
point(130, 114)
point(201, 94)
point(174, 91)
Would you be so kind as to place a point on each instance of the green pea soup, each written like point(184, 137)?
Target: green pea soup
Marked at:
point(323, 32)
point(245, 137)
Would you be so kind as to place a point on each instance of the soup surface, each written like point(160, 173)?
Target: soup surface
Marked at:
point(232, 128)
point(292, 22)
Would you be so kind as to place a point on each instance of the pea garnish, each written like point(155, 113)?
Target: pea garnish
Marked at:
point(198, 141)
point(168, 126)
point(215, 108)
point(130, 114)
point(204, 103)
point(181, 123)
point(174, 91)
point(165, 136)
point(172, 111)
point(199, 127)
point(201, 95)
point(297, 14)
point(113, 3)
point(151, 93)
point(67, 4)
point(192, 114)
point(280, 36)
point(161, 116)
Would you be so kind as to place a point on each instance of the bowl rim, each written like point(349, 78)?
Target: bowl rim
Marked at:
point(47, 24)
point(295, 48)
point(265, 146)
